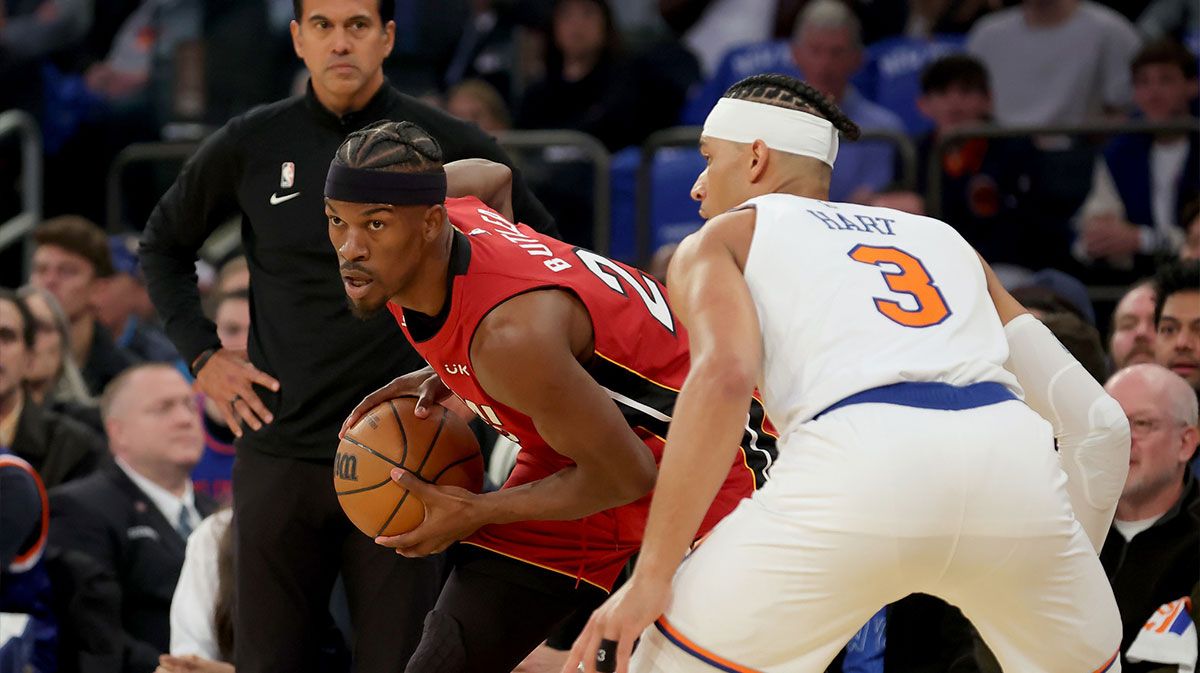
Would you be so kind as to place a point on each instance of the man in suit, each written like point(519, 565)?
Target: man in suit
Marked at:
point(134, 516)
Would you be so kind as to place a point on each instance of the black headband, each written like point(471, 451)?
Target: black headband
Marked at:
point(357, 185)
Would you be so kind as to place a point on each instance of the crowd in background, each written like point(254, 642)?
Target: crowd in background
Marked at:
point(86, 371)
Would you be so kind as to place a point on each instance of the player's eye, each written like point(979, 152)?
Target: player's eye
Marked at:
point(335, 220)
point(375, 225)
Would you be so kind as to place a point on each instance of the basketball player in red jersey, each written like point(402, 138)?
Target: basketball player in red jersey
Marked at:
point(574, 357)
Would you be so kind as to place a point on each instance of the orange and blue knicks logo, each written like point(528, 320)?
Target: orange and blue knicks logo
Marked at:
point(682, 642)
point(1171, 618)
point(1168, 637)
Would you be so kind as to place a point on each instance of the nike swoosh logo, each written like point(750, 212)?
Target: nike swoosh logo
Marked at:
point(276, 199)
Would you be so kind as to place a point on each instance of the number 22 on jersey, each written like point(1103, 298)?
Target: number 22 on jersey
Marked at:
point(911, 279)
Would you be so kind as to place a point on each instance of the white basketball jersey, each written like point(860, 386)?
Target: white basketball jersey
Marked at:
point(854, 297)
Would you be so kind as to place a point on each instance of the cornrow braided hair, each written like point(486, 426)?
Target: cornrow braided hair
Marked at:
point(789, 92)
point(401, 147)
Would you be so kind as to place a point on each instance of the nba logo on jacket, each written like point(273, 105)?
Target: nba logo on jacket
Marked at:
point(287, 175)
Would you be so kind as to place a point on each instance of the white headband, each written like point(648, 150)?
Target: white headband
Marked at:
point(791, 131)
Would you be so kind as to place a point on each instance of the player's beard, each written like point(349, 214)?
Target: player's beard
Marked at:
point(364, 311)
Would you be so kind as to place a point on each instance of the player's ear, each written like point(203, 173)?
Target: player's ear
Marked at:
point(435, 217)
point(389, 36)
point(758, 157)
point(297, 39)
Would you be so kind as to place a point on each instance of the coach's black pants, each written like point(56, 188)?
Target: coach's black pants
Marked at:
point(493, 612)
point(291, 540)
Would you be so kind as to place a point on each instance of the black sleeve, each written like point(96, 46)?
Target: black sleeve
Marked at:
point(527, 209)
point(203, 196)
point(20, 512)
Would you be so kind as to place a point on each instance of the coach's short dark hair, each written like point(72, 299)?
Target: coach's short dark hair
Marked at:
point(1165, 51)
point(28, 328)
point(1174, 276)
point(387, 11)
point(960, 70)
point(78, 235)
point(402, 147)
point(788, 92)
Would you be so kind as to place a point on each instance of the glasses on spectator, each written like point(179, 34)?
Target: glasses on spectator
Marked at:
point(1142, 426)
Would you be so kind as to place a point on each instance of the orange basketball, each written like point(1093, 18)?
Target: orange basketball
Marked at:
point(439, 449)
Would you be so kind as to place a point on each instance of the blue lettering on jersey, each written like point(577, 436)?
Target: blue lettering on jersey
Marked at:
point(861, 223)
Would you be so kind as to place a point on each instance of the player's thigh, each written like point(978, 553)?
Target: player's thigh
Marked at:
point(1042, 604)
point(770, 592)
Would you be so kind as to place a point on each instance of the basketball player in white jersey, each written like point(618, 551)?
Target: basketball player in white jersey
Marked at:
point(907, 461)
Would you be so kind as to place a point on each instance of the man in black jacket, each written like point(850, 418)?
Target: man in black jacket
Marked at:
point(59, 448)
point(309, 361)
point(1152, 553)
point(133, 516)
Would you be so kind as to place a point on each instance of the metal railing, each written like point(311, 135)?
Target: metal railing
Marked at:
point(15, 229)
point(597, 154)
point(135, 154)
point(933, 192)
point(689, 136)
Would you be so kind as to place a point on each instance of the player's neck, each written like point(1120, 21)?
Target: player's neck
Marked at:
point(808, 186)
point(430, 289)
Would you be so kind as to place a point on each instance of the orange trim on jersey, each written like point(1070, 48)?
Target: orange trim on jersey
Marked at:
point(741, 449)
point(635, 372)
point(1170, 618)
point(23, 561)
point(682, 642)
point(539, 565)
point(1108, 664)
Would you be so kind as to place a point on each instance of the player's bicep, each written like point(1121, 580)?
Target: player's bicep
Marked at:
point(706, 280)
point(523, 356)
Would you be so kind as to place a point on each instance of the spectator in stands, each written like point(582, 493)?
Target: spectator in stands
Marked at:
point(123, 306)
point(1144, 180)
point(588, 86)
point(475, 100)
point(1177, 319)
point(33, 30)
point(1056, 61)
point(1189, 215)
point(710, 28)
point(828, 49)
point(1179, 19)
point(59, 448)
point(986, 183)
point(214, 473)
point(25, 589)
point(53, 380)
point(134, 516)
point(1153, 550)
point(70, 260)
point(202, 607)
point(52, 377)
point(1132, 327)
point(487, 48)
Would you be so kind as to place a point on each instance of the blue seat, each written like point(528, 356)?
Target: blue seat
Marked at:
point(891, 75)
point(674, 214)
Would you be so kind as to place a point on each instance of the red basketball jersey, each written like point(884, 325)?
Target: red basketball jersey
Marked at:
point(641, 359)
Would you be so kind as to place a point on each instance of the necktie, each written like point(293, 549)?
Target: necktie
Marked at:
point(184, 526)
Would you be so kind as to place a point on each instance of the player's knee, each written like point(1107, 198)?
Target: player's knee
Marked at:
point(441, 649)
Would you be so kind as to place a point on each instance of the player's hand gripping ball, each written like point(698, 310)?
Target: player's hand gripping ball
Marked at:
point(439, 449)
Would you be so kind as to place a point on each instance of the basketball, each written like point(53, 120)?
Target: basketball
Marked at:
point(440, 449)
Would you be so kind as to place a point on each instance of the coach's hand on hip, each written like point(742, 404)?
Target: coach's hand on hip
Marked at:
point(423, 383)
point(227, 378)
point(450, 515)
point(620, 620)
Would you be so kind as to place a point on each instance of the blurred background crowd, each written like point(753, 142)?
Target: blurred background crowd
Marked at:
point(1060, 137)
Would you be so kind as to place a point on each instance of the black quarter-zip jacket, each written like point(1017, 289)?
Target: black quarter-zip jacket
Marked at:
point(269, 166)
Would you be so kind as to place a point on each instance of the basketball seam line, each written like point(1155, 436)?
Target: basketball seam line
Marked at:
point(403, 434)
point(360, 490)
point(393, 514)
point(457, 462)
point(432, 442)
point(373, 452)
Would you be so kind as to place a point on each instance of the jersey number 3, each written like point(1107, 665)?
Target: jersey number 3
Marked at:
point(912, 279)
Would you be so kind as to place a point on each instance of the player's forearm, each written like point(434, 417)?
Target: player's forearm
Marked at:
point(704, 435)
point(570, 493)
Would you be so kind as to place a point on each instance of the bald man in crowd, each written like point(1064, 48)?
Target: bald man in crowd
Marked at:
point(134, 515)
point(1152, 553)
